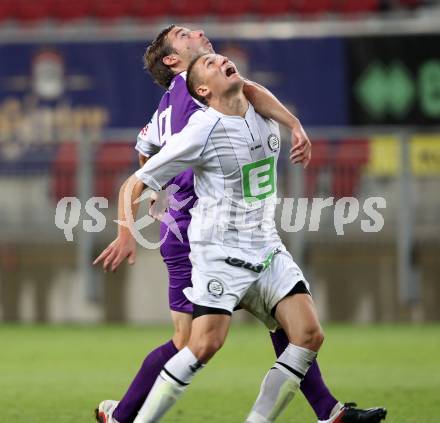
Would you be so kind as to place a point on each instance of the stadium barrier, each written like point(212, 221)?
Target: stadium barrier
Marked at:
point(387, 275)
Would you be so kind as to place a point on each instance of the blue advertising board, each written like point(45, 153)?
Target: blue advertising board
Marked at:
point(103, 84)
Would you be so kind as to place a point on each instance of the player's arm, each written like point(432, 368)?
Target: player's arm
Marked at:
point(124, 246)
point(182, 151)
point(142, 160)
point(147, 145)
point(148, 142)
point(267, 105)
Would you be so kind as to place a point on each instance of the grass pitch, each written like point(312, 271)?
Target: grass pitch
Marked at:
point(58, 374)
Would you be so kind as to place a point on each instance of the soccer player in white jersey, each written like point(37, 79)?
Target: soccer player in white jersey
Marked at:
point(166, 58)
point(233, 152)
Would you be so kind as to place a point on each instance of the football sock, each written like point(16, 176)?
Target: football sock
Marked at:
point(281, 383)
point(141, 385)
point(335, 409)
point(176, 375)
point(280, 341)
point(317, 393)
point(312, 386)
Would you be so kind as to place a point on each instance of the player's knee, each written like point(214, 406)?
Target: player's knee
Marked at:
point(182, 333)
point(312, 338)
point(181, 336)
point(180, 339)
point(319, 338)
point(207, 348)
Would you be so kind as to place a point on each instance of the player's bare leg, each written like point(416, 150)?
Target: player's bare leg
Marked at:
point(208, 334)
point(182, 328)
point(297, 316)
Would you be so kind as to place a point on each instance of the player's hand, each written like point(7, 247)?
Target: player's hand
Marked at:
point(301, 151)
point(123, 247)
point(159, 204)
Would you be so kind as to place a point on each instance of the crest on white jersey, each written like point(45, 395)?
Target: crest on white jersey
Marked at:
point(274, 142)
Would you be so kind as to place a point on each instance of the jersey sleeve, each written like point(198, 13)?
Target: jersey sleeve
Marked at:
point(148, 142)
point(183, 150)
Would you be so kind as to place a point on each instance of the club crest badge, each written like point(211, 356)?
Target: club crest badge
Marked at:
point(274, 142)
point(215, 288)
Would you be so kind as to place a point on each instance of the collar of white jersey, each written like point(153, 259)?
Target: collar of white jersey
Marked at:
point(249, 113)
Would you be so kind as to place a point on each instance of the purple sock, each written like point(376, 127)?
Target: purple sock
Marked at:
point(312, 386)
point(128, 407)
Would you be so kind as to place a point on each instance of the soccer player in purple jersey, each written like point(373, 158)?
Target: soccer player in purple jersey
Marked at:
point(167, 59)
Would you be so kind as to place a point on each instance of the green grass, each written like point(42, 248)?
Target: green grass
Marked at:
point(58, 374)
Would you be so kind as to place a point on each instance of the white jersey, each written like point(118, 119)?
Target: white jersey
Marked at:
point(148, 141)
point(234, 160)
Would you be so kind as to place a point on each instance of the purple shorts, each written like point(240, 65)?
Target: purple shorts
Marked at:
point(179, 274)
point(175, 255)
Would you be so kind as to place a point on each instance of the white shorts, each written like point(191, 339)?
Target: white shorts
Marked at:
point(256, 279)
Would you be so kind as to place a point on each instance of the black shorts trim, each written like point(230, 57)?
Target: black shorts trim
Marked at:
point(199, 310)
point(299, 288)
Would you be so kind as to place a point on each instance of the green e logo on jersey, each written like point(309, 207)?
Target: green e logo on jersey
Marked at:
point(258, 179)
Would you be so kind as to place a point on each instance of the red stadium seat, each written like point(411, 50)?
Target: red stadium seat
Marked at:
point(7, 9)
point(113, 162)
point(350, 156)
point(112, 9)
point(228, 8)
point(312, 7)
point(410, 4)
point(273, 7)
point(359, 6)
point(191, 8)
point(321, 158)
point(33, 10)
point(147, 9)
point(64, 171)
point(71, 10)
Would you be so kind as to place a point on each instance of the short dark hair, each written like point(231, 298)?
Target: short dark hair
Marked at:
point(153, 58)
point(193, 79)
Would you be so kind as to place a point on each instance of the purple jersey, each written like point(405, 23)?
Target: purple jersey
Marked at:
point(175, 109)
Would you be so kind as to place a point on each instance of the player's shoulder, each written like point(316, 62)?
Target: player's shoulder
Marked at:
point(197, 131)
point(263, 121)
point(178, 88)
point(178, 82)
point(203, 119)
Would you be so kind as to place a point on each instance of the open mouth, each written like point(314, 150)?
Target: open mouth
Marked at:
point(230, 70)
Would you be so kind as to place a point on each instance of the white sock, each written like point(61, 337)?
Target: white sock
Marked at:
point(336, 409)
point(281, 383)
point(176, 375)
